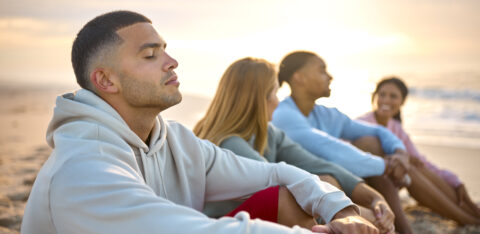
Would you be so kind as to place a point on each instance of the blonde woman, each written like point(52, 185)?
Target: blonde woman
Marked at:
point(237, 119)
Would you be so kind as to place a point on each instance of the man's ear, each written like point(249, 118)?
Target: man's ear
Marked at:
point(102, 81)
point(297, 78)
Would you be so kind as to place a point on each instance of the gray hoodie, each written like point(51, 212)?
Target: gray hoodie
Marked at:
point(94, 183)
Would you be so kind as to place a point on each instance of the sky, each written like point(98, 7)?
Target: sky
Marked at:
point(359, 40)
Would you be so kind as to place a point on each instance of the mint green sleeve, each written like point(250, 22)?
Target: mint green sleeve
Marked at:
point(292, 153)
point(242, 148)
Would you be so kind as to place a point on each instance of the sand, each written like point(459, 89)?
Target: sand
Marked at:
point(26, 111)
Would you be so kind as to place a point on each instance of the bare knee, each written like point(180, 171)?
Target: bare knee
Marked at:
point(369, 144)
point(284, 193)
point(331, 180)
point(285, 199)
point(290, 213)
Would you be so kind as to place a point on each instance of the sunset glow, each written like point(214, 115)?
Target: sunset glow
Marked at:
point(359, 41)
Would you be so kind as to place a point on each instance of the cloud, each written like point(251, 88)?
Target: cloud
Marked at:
point(33, 32)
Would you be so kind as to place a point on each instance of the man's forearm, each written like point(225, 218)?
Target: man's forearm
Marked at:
point(346, 212)
point(365, 196)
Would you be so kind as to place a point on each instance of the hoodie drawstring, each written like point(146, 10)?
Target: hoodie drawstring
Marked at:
point(149, 168)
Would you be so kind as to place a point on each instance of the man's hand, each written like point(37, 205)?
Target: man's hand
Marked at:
point(396, 170)
point(350, 225)
point(346, 221)
point(384, 217)
point(402, 157)
point(397, 166)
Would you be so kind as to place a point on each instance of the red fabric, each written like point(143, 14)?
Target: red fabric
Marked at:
point(262, 205)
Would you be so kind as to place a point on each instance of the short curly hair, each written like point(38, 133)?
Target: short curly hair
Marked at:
point(95, 38)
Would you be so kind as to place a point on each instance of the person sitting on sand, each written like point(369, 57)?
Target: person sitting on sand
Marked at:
point(322, 131)
point(118, 167)
point(237, 119)
point(438, 189)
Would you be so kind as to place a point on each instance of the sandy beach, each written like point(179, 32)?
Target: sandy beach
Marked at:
point(25, 113)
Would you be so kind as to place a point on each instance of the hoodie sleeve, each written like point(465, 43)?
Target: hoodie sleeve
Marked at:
point(104, 196)
point(242, 176)
point(321, 144)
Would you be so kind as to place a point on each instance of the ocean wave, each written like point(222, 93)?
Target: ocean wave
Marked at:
point(460, 142)
point(448, 135)
point(460, 115)
point(445, 94)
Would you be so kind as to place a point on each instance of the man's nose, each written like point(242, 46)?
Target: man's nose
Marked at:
point(170, 63)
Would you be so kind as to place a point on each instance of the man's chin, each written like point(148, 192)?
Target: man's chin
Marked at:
point(176, 99)
point(172, 100)
point(326, 94)
point(180, 98)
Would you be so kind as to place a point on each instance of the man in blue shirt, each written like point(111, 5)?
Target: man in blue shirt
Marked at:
point(375, 153)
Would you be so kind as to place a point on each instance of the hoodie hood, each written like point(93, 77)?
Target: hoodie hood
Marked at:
point(86, 106)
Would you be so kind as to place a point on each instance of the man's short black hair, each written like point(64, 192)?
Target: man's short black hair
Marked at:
point(96, 36)
point(292, 63)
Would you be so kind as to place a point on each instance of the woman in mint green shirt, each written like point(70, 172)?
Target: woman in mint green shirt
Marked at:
point(237, 119)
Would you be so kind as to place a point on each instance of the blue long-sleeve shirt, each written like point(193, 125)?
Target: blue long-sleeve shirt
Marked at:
point(322, 130)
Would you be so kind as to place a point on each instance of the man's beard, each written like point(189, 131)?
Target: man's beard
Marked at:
point(144, 94)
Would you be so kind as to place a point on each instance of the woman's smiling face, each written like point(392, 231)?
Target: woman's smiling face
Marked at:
point(388, 100)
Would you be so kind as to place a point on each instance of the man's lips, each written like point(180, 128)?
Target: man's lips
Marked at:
point(173, 80)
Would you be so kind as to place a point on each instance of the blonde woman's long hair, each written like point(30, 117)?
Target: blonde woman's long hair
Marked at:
point(239, 107)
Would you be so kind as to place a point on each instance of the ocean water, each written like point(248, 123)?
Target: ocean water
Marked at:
point(441, 109)
point(445, 116)
point(444, 109)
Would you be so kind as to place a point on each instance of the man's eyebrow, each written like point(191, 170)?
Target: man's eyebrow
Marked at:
point(151, 45)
